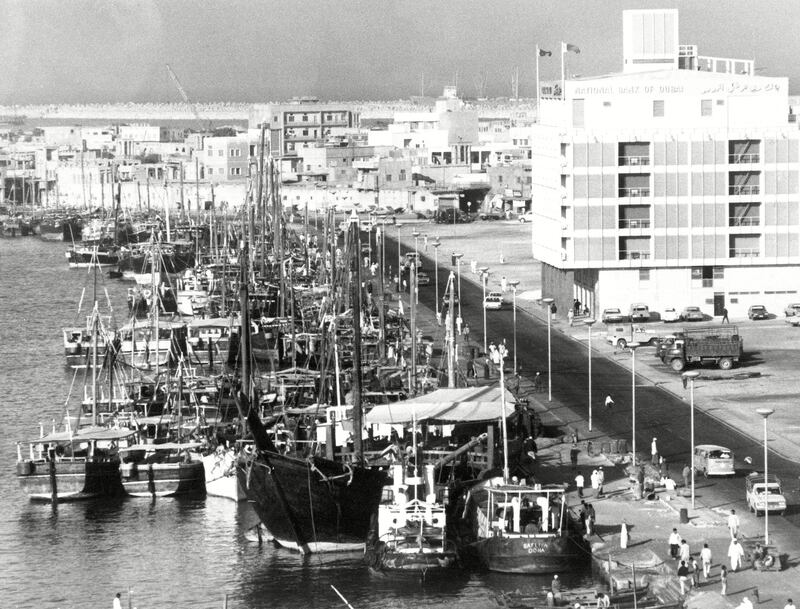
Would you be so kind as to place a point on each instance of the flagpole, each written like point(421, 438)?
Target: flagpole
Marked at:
point(563, 73)
point(538, 89)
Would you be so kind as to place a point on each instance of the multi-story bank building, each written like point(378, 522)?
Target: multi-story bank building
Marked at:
point(672, 183)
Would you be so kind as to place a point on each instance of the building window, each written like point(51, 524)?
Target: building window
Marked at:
point(305, 131)
point(744, 246)
point(634, 248)
point(220, 152)
point(634, 153)
point(402, 176)
point(210, 171)
point(644, 274)
point(705, 107)
point(634, 185)
point(744, 151)
point(235, 152)
point(744, 214)
point(236, 171)
point(658, 108)
point(305, 118)
point(743, 183)
point(634, 216)
point(388, 177)
point(210, 151)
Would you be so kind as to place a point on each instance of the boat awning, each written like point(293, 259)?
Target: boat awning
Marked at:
point(85, 434)
point(166, 446)
point(214, 322)
point(470, 404)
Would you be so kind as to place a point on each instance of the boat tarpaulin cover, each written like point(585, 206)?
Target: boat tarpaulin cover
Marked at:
point(467, 404)
point(85, 434)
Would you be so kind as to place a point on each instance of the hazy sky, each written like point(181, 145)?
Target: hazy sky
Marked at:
point(266, 50)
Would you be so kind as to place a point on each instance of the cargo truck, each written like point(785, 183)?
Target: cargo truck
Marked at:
point(721, 345)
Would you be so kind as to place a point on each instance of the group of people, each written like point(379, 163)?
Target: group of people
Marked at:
point(554, 597)
point(597, 480)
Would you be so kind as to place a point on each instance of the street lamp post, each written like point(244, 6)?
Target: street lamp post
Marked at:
point(436, 245)
point(765, 412)
point(514, 285)
point(484, 274)
point(633, 346)
point(548, 302)
point(589, 323)
point(399, 274)
point(690, 376)
point(458, 274)
point(416, 266)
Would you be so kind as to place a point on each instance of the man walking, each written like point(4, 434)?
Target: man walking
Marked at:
point(654, 453)
point(725, 316)
point(705, 559)
point(609, 402)
point(733, 524)
point(579, 482)
point(674, 543)
point(735, 554)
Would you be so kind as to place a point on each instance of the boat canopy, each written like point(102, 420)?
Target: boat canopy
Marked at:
point(165, 446)
point(469, 404)
point(85, 434)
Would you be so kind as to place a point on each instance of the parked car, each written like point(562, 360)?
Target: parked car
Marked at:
point(757, 312)
point(452, 216)
point(792, 310)
point(764, 494)
point(620, 336)
point(670, 315)
point(639, 312)
point(713, 460)
point(493, 301)
point(490, 215)
point(526, 217)
point(423, 278)
point(612, 316)
point(412, 257)
point(692, 314)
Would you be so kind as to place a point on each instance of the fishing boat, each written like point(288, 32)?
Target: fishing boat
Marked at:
point(73, 464)
point(220, 474)
point(411, 530)
point(162, 470)
point(308, 502)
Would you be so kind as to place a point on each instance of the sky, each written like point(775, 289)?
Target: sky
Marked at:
point(83, 51)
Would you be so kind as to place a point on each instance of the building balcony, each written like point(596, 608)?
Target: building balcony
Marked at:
point(312, 121)
point(743, 159)
point(744, 252)
point(744, 190)
point(632, 193)
point(744, 221)
point(634, 255)
point(633, 161)
point(634, 223)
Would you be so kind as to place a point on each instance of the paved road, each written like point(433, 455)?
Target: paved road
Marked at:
point(659, 413)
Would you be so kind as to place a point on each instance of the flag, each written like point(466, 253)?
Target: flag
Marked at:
point(543, 53)
point(565, 47)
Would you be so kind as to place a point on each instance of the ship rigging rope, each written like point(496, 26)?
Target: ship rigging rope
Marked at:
point(329, 479)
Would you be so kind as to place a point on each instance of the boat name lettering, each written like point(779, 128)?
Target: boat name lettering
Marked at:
point(535, 547)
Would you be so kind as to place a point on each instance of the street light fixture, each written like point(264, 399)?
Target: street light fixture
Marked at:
point(690, 376)
point(765, 412)
point(484, 274)
point(514, 285)
point(548, 302)
point(436, 245)
point(589, 323)
point(633, 346)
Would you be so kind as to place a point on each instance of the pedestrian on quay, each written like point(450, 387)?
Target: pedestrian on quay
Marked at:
point(573, 457)
point(591, 518)
point(674, 544)
point(745, 604)
point(705, 559)
point(735, 554)
point(789, 605)
point(117, 601)
point(603, 600)
point(733, 524)
point(466, 332)
point(571, 317)
point(684, 553)
point(654, 453)
point(687, 475)
point(601, 480)
point(609, 402)
point(594, 478)
point(695, 573)
point(579, 482)
point(725, 316)
point(555, 587)
point(537, 382)
point(683, 577)
point(723, 580)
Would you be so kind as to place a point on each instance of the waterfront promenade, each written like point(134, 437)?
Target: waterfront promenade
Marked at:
point(505, 248)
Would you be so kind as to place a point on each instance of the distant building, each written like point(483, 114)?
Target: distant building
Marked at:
point(674, 183)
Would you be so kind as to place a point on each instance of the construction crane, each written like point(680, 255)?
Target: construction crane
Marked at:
point(185, 97)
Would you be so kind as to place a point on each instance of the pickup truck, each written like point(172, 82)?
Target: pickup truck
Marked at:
point(764, 495)
point(621, 335)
